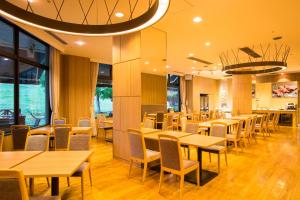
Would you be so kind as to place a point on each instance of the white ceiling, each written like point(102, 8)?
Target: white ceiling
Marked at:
point(227, 24)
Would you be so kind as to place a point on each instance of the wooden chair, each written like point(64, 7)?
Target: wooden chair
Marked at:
point(253, 125)
point(13, 186)
point(170, 118)
point(58, 121)
point(19, 136)
point(235, 135)
point(260, 126)
point(38, 140)
point(266, 122)
point(138, 151)
point(172, 161)
point(218, 129)
point(183, 121)
point(277, 122)
point(192, 127)
point(1, 140)
point(246, 133)
point(81, 142)
point(148, 123)
point(160, 119)
point(271, 125)
point(84, 122)
point(62, 136)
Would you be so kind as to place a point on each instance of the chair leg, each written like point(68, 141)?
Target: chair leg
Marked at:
point(209, 157)
point(82, 187)
point(144, 172)
point(219, 163)
point(68, 181)
point(130, 166)
point(48, 183)
point(90, 174)
point(181, 185)
point(161, 180)
point(235, 144)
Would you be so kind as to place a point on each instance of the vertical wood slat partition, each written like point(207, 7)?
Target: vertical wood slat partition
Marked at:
point(126, 90)
point(75, 91)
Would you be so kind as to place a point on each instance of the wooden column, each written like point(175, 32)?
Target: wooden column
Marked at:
point(126, 90)
point(241, 94)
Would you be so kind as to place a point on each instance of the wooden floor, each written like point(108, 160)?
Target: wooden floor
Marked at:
point(269, 169)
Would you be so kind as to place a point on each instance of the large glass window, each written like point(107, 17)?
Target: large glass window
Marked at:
point(24, 81)
point(7, 83)
point(173, 93)
point(103, 95)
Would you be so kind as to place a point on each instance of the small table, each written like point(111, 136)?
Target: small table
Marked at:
point(207, 124)
point(201, 141)
point(53, 164)
point(9, 159)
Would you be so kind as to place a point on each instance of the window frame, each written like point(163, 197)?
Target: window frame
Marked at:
point(17, 59)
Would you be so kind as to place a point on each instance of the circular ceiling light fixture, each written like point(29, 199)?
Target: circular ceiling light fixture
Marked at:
point(63, 19)
point(255, 60)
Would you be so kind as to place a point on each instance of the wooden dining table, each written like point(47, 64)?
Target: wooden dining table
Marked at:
point(53, 164)
point(154, 136)
point(207, 124)
point(10, 159)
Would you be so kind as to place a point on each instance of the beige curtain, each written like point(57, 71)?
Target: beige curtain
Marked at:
point(54, 76)
point(94, 78)
point(183, 94)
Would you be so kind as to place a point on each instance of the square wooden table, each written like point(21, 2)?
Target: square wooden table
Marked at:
point(154, 136)
point(76, 129)
point(9, 159)
point(207, 124)
point(201, 141)
point(53, 164)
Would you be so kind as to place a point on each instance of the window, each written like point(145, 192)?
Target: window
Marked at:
point(103, 96)
point(173, 93)
point(24, 81)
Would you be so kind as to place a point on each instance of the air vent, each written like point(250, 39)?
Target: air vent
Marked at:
point(57, 38)
point(250, 52)
point(277, 38)
point(199, 60)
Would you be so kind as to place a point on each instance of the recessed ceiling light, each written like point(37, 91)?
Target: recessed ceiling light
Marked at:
point(119, 14)
point(154, 70)
point(6, 59)
point(80, 42)
point(193, 67)
point(168, 66)
point(197, 19)
point(207, 44)
point(146, 62)
point(191, 54)
point(194, 61)
point(219, 64)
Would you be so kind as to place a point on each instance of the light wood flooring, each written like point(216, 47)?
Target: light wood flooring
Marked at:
point(269, 169)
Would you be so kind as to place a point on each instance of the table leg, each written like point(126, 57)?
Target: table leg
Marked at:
point(31, 186)
point(54, 186)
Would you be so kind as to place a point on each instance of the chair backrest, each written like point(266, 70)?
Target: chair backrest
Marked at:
point(248, 126)
point(148, 123)
point(239, 129)
point(84, 122)
point(1, 139)
point(253, 124)
point(59, 121)
point(171, 156)
point(79, 142)
point(62, 136)
point(192, 127)
point(37, 140)
point(19, 136)
point(277, 119)
point(137, 145)
point(170, 119)
point(219, 129)
point(183, 121)
point(160, 117)
point(12, 184)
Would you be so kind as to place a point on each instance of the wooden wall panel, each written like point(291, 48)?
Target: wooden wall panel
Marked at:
point(241, 94)
point(154, 89)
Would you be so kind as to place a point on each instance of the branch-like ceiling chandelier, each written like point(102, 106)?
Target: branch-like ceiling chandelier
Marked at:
point(255, 60)
point(86, 17)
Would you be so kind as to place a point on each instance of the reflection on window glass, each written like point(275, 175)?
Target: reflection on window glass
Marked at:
point(103, 100)
point(173, 99)
point(6, 37)
point(32, 49)
point(6, 91)
point(33, 104)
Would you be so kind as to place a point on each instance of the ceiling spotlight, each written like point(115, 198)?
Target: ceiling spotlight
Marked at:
point(191, 54)
point(80, 43)
point(207, 44)
point(197, 19)
point(168, 66)
point(6, 59)
point(193, 67)
point(154, 70)
point(146, 62)
point(194, 61)
point(119, 14)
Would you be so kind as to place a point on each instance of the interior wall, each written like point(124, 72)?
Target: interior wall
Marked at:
point(75, 95)
point(225, 94)
point(208, 86)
